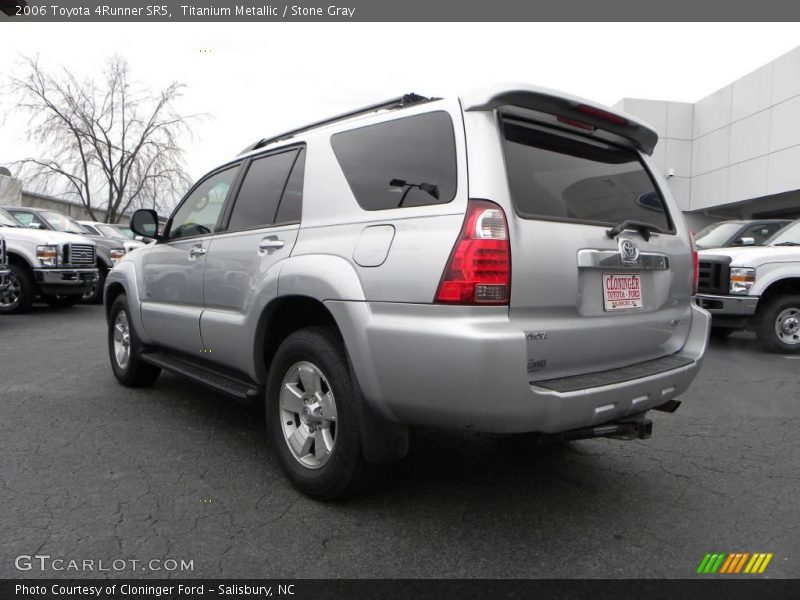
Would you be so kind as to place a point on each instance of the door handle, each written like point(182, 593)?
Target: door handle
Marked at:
point(196, 251)
point(270, 244)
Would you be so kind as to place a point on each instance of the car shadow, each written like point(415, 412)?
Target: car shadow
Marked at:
point(483, 469)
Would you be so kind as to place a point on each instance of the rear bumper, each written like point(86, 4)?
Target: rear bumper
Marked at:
point(65, 281)
point(436, 366)
point(729, 306)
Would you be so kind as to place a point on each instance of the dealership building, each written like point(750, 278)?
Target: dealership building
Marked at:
point(736, 152)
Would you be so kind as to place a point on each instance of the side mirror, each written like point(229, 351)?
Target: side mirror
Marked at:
point(747, 241)
point(33, 225)
point(144, 222)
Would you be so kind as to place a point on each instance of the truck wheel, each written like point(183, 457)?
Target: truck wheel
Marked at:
point(18, 297)
point(313, 414)
point(62, 301)
point(124, 348)
point(95, 295)
point(779, 329)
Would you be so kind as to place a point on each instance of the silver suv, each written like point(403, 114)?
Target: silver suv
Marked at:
point(508, 261)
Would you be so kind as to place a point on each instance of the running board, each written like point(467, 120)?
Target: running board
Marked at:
point(235, 387)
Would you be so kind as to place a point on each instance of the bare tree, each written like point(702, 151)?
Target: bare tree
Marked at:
point(106, 143)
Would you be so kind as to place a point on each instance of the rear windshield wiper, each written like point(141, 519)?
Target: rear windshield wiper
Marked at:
point(429, 188)
point(644, 229)
point(787, 244)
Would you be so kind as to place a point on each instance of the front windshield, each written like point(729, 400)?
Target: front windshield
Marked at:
point(6, 220)
point(110, 231)
point(716, 235)
point(61, 222)
point(788, 236)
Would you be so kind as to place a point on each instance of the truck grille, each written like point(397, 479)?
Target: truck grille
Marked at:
point(3, 255)
point(713, 276)
point(79, 254)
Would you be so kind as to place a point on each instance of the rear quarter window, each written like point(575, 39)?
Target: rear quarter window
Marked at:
point(400, 163)
point(567, 178)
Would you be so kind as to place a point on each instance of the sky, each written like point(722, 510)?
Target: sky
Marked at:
point(251, 80)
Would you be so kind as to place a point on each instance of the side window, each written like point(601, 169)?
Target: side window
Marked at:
point(291, 206)
point(199, 212)
point(261, 190)
point(761, 232)
point(28, 219)
point(400, 163)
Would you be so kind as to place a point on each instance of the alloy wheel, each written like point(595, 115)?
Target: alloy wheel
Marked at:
point(9, 298)
point(122, 340)
point(308, 415)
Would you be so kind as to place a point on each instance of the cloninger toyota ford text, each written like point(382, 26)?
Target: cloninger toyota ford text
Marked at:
point(508, 261)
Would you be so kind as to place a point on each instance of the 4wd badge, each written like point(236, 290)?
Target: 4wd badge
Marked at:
point(536, 365)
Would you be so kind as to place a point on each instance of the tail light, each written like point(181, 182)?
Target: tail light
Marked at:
point(576, 123)
point(479, 269)
point(695, 265)
point(602, 114)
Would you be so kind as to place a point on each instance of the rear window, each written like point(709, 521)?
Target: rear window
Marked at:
point(401, 163)
point(568, 178)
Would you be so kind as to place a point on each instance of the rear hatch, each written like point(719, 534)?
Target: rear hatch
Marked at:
point(590, 300)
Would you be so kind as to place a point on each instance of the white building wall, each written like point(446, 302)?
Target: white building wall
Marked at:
point(673, 121)
point(740, 143)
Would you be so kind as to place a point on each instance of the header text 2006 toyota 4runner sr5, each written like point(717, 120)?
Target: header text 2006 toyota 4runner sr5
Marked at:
point(508, 261)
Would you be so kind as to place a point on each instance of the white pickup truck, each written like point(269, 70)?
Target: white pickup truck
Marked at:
point(57, 267)
point(755, 288)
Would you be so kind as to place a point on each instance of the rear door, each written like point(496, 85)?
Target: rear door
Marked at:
point(590, 300)
point(242, 262)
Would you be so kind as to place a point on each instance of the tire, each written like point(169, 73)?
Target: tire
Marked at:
point(95, 295)
point(18, 297)
point(779, 326)
point(62, 301)
point(720, 333)
point(133, 371)
point(324, 460)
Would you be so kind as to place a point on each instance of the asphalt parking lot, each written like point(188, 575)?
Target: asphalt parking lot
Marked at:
point(91, 470)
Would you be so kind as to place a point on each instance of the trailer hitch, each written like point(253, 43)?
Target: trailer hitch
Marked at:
point(622, 429)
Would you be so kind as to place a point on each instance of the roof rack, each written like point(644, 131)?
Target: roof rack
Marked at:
point(393, 104)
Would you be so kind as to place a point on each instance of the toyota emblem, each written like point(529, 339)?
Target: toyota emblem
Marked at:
point(628, 250)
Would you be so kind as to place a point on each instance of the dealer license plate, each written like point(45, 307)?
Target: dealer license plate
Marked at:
point(621, 291)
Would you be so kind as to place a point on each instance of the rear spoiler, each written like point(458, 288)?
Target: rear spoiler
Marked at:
point(568, 108)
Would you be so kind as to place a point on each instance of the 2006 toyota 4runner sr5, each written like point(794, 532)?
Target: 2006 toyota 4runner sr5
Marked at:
point(508, 261)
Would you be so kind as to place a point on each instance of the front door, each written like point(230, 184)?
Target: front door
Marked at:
point(172, 294)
